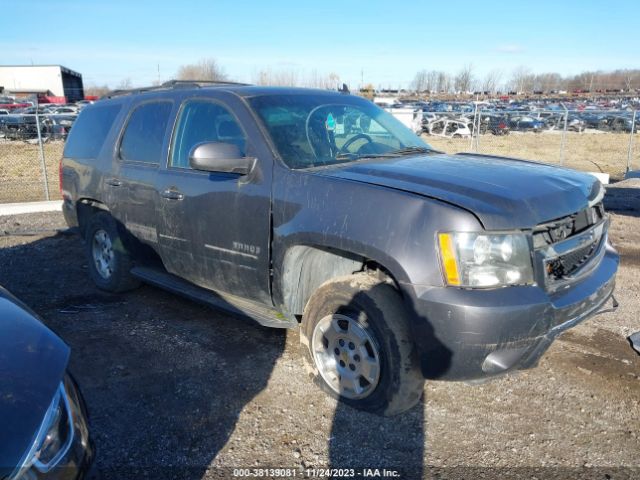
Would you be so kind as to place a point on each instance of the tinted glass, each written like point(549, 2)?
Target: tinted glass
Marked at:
point(90, 131)
point(144, 134)
point(203, 121)
point(314, 130)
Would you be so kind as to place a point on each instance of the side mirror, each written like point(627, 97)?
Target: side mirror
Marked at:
point(219, 157)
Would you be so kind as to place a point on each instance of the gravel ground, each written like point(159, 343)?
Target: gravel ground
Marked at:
point(176, 390)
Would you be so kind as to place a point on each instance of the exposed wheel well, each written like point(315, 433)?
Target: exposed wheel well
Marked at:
point(86, 208)
point(307, 267)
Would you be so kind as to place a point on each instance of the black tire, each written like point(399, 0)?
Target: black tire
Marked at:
point(378, 309)
point(119, 278)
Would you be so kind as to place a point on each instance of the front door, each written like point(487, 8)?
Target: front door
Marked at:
point(214, 228)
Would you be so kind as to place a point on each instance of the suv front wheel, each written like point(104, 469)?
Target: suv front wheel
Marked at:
point(109, 261)
point(356, 340)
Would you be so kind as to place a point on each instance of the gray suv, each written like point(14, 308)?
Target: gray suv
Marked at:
point(317, 210)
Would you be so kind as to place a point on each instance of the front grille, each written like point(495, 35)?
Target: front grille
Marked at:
point(568, 264)
point(551, 240)
point(557, 230)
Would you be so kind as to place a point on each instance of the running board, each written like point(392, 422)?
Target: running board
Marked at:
point(222, 301)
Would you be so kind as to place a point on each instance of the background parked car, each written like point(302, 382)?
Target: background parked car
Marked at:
point(497, 125)
point(446, 127)
point(58, 126)
point(526, 123)
point(21, 127)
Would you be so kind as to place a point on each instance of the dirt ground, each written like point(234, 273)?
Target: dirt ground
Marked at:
point(176, 390)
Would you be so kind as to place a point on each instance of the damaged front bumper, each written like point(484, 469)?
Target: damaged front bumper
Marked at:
point(466, 334)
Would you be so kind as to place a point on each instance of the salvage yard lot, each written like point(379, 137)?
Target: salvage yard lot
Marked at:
point(21, 171)
point(171, 384)
point(591, 152)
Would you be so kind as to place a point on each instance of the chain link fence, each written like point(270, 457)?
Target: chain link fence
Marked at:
point(604, 141)
point(31, 147)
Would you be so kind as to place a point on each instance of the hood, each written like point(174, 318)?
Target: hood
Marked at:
point(32, 364)
point(502, 193)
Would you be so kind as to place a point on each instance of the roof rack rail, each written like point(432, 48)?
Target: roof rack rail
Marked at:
point(199, 83)
point(173, 84)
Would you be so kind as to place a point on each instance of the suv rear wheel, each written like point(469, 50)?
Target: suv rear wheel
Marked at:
point(109, 261)
point(356, 341)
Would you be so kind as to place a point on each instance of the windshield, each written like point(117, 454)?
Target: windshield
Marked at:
point(316, 130)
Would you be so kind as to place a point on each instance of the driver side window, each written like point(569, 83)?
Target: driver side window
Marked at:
point(203, 121)
point(358, 132)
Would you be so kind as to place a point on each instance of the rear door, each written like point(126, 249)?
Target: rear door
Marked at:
point(214, 228)
point(141, 150)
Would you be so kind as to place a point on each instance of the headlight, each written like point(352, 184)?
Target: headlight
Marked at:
point(53, 440)
point(485, 259)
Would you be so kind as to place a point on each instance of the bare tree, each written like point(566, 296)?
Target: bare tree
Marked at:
point(96, 90)
point(432, 81)
point(419, 83)
point(320, 80)
point(205, 69)
point(282, 78)
point(522, 79)
point(464, 79)
point(293, 78)
point(628, 79)
point(491, 81)
point(125, 84)
point(444, 82)
point(547, 82)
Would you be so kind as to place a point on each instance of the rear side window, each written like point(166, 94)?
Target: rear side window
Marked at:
point(90, 131)
point(144, 134)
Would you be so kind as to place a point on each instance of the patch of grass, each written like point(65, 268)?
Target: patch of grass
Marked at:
point(592, 152)
point(21, 176)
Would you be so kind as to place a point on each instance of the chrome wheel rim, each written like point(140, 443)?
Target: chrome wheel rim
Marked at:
point(346, 356)
point(103, 256)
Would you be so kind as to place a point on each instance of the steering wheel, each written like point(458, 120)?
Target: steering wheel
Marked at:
point(348, 143)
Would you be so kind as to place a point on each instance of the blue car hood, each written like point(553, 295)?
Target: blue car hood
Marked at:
point(503, 193)
point(32, 364)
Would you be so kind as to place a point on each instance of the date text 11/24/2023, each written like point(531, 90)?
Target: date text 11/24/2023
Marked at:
point(315, 473)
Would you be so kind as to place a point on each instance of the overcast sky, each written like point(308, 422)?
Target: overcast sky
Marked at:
point(385, 42)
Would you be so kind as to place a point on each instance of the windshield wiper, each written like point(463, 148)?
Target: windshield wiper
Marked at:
point(351, 157)
point(410, 150)
point(359, 156)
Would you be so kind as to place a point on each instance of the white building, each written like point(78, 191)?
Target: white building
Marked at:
point(54, 80)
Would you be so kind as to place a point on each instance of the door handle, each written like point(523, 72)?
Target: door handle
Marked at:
point(172, 195)
point(114, 182)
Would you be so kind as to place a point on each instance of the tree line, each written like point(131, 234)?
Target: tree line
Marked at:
point(523, 80)
point(210, 70)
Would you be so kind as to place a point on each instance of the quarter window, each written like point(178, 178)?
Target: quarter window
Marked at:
point(144, 135)
point(90, 131)
point(204, 121)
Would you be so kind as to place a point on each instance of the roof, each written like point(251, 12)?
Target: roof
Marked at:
point(240, 89)
point(256, 91)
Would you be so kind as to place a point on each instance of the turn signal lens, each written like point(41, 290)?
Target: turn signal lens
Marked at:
point(449, 259)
